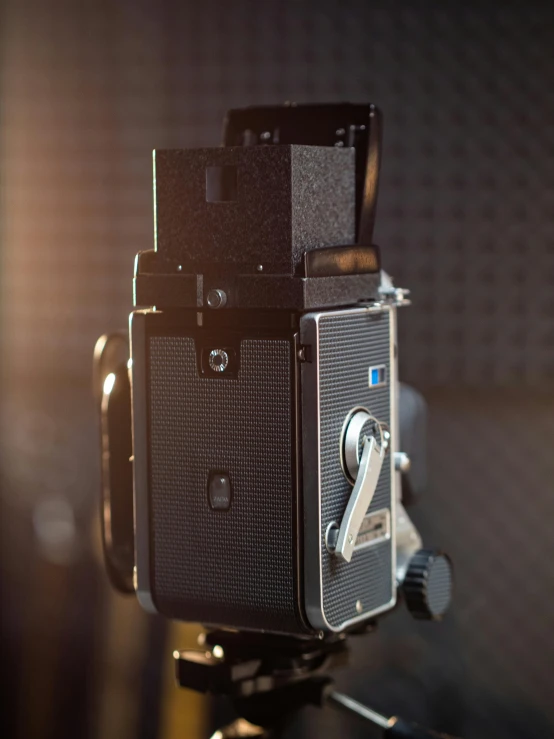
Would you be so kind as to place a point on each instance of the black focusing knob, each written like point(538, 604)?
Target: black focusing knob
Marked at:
point(427, 586)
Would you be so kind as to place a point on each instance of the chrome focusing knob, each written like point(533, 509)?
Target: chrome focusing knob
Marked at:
point(359, 424)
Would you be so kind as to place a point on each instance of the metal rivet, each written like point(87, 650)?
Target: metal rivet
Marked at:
point(331, 536)
point(401, 462)
point(179, 268)
point(260, 267)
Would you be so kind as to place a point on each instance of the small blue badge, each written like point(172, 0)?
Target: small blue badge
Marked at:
point(378, 375)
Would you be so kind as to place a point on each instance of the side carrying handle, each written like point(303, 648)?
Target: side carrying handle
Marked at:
point(360, 498)
point(112, 391)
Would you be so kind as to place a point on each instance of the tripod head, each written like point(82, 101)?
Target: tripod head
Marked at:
point(269, 678)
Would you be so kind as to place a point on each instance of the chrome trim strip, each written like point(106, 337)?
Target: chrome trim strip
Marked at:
point(395, 441)
point(139, 395)
point(311, 452)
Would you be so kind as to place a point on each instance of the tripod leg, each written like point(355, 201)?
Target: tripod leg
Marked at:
point(345, 703)
point(392, 727)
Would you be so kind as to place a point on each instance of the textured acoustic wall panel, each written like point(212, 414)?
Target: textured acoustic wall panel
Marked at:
point(464, 217)
point(465, 220)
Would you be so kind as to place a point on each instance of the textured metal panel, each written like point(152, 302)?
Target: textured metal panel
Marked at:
point(289, 199)
point(236, 567)
point(349, 344)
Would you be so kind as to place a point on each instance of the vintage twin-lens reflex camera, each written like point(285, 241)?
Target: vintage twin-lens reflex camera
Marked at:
point(266, 452)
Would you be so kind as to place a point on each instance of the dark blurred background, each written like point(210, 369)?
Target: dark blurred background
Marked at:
point(465, 219)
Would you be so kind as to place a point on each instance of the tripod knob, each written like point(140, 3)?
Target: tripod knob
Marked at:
point(427, 586)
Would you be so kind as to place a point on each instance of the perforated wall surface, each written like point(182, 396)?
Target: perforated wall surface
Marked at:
point(463, 216)
point(464, 220)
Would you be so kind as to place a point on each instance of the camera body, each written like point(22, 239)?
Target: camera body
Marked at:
point(239, 476)
point(264, 386)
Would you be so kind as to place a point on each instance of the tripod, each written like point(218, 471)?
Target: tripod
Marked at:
point(270, 678)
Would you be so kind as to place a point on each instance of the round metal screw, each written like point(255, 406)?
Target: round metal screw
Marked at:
point(216, 299)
